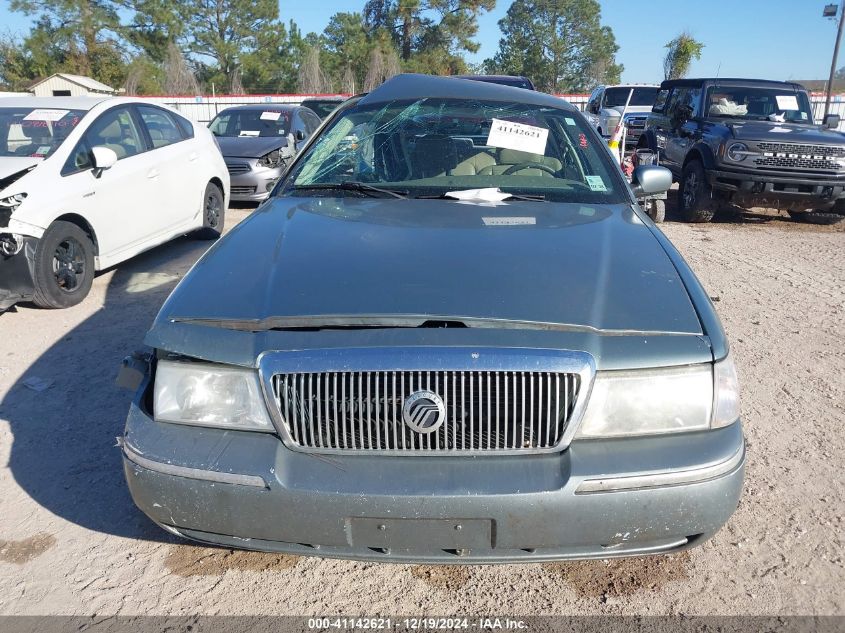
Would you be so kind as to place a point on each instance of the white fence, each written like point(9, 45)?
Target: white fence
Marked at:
point(204, 108)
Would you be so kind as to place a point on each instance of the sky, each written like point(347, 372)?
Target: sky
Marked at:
point(763, 39)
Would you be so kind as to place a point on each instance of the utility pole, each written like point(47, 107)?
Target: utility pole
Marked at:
point(831, 11)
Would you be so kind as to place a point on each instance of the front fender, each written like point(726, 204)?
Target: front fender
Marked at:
point(703, 152)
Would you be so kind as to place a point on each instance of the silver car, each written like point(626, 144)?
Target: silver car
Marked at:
point(258, 142)
point(456, 339)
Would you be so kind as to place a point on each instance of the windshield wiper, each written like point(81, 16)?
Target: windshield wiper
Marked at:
point(354, 185)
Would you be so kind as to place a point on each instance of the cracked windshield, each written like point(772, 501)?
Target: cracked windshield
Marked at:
point(439, 147)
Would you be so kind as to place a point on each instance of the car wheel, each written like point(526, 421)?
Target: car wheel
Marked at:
point(816, 217)
point(695, 194)
point(213, 212)
point(64, 266)
point(656, 210)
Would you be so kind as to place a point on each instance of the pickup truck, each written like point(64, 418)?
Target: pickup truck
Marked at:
point(749, 143)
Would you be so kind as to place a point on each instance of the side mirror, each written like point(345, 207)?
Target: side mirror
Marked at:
point(648, 180)
point(104, 158)
point(300, 135)
point(831, 121)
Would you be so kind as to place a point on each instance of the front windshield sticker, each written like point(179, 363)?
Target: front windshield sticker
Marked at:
point(250, 133)
point(44, 114)
point(514, 221)
point(518, 136)
point(43, 150)
point(569, 121)
point(787, 102)
point(270, 116)
point(596, 183)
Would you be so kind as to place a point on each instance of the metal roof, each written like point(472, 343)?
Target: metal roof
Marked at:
point(85, 82)
point(731, 81)
point(410, 86)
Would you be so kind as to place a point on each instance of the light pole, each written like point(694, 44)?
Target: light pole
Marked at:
point(830, 11)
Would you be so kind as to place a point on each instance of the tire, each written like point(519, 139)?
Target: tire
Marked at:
point(695, 196)
point(64, 266)
point(816, 217)
point(213, 213)
point(657, 210)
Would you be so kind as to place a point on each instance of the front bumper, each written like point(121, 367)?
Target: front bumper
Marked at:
point(253, 185)
point(597, 499)
point(16, 274)
point(780, 191)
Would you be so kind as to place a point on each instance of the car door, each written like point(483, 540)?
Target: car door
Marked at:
point(175, 156)
point(682, 120)
point(118, 202)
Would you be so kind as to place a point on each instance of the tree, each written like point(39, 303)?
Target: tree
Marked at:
point(312, 80)
point(223, 32)
point(179, 79)
point(273, 66)
point(347, 45)
point(679, 55)
point(76, 36)
point(428, 31)
point(559, 44)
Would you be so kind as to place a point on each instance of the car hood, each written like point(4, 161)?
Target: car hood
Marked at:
point(13, 168)
point(597, 268)
point(249, 146)
point(785, 133)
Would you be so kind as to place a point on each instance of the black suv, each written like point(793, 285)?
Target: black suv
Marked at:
point(750, 143)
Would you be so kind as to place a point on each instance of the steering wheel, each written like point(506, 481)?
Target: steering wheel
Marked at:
point(529, 165)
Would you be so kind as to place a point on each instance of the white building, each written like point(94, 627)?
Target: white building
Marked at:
point(65, 85)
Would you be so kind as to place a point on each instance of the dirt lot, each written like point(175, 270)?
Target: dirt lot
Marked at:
point(72, 542)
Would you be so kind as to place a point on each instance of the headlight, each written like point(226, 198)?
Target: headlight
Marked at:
point(209, 395)
point(12, 202)
point(737, 152)
point(643, 402)
point(273, 159)
point(653, 401)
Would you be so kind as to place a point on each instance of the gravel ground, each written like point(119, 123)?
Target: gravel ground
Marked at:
point(72, 542)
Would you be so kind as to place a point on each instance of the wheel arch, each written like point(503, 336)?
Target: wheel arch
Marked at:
point(702, 154)
point(85, 225)
point(216, 181)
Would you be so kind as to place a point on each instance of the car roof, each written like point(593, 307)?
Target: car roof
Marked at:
point(631, 86)
point(64, 103)
point(411, 86)
point(263, 107)
point(732, 81)
point(331, 99)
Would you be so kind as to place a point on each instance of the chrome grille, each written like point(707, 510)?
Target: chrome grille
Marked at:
point(800, 156)
point(797, 148)
point(237, 168)
point(486, 411)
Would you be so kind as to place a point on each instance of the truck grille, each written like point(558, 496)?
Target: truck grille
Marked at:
point(485, 411)
point(798, 156)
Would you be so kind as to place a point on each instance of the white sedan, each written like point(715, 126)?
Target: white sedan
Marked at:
point(86, 183)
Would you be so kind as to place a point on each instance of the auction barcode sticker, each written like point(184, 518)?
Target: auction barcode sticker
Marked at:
point(518, 136)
